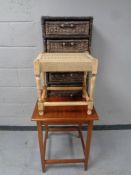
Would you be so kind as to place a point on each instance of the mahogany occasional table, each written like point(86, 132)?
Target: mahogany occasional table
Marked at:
point(64, 115)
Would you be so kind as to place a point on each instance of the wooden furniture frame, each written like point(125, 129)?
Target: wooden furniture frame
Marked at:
point(65, 62)
point(67, 115)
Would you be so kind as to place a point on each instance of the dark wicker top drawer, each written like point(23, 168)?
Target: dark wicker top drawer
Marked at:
point(66, 28)
point(67, 45)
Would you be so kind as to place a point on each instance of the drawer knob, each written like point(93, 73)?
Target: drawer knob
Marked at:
point(71, 25)
point(62, 25)
point(63, 43)
point(71, 95)
point(72, 43)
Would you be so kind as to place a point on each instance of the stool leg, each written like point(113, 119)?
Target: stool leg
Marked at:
point(88, 142)
point(40, 108)
point(41, 145)
point(92, 78)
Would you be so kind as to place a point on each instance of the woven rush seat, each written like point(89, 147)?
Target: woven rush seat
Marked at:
point(61, 62)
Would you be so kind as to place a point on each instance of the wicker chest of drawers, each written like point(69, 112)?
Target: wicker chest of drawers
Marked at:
point(66, 34)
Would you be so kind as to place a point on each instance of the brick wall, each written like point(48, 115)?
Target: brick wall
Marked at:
point(18, 48)
point(21, 40)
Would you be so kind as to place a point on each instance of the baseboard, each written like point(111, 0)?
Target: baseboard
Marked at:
point(96, 127)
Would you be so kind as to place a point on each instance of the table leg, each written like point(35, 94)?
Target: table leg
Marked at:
point(46, 131)
point(41, 145)
point(79, 129)
point(88, 142)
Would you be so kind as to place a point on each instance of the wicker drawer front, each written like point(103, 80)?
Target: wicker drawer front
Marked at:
point(65, 77)
point(67, 45)
point(65, 93)
point(66, 28)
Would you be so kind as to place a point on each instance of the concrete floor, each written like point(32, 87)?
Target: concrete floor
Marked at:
point(110, 153)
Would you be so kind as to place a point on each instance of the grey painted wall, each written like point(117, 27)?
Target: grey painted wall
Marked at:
point(20, 42)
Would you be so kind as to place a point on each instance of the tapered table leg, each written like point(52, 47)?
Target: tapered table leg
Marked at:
point(41, 145)
point(88, 142)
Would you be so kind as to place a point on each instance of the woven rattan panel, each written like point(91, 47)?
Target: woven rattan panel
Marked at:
point(66, 34)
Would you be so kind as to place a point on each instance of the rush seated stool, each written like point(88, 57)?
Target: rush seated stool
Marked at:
point(65, 62)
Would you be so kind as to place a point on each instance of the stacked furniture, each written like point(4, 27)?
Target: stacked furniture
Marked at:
point(67, 54)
